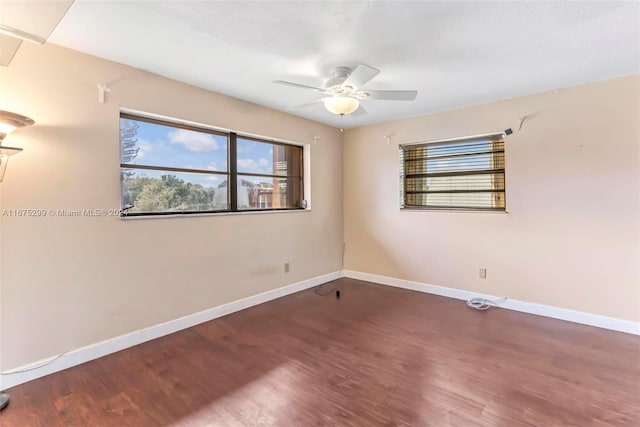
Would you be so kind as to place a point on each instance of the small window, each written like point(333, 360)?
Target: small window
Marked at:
point(454, 174)
point(170, 168)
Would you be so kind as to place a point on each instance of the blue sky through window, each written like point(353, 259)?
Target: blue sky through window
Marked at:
point(254, 157)
point(167, 146)
point(181, 148)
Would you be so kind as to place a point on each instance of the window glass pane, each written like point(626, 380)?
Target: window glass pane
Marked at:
point(444, 149)
point(456, 164)
point(166, 191)
point(457, 200)
point(459, 182)
point(268, 193)
point(455, 174)
point(151, 144)
point(269, 159)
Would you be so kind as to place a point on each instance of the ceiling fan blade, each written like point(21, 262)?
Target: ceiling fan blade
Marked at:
point(360, 76)
point(307, 104)
point(359, 112)
point(391, 95)
point(282, 82)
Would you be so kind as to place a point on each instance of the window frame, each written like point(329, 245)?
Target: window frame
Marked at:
point(231, 173)
point(494, 136)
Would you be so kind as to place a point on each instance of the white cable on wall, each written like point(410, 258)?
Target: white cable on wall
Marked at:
point(33, 368)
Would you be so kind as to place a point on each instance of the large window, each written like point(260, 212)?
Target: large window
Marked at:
point(169, 168)
point(455, 174)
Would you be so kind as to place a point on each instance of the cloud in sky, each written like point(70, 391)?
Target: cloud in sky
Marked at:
point(193, 141)
point(213, 179)
point(144, 147)
point(260, 166)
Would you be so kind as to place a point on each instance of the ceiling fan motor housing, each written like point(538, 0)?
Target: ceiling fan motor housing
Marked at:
point(334, 84)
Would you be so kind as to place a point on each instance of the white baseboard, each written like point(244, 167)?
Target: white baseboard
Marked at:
point(94, 351)
point(511, 304)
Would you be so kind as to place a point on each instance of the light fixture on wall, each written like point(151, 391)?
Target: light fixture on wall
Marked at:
point(9, 122)
point(339, 104)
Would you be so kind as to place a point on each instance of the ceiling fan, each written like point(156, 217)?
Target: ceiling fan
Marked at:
point(344, 90)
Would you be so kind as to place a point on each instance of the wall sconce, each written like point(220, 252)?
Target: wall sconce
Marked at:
point(8, 123)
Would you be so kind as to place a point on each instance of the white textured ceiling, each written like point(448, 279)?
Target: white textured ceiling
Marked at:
point(454, 53)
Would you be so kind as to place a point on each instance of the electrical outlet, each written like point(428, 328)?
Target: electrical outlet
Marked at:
point(483, 273)
point(286, 267)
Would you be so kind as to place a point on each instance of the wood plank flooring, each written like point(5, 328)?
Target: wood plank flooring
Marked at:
point(378, 356)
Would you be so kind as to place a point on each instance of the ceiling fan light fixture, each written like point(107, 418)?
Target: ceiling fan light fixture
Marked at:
point(341, 104)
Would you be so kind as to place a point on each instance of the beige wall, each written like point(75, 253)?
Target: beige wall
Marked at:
point(71, 282)
point(571, 237)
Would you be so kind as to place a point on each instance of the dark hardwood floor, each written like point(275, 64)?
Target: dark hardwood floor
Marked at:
point(378, 356)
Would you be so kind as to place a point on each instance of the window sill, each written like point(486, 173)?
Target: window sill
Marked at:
point(455, 210)
point(198, 215)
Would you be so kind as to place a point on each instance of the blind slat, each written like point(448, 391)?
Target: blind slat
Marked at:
point(456, 173)
point(440, 156)
point(484, 190)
